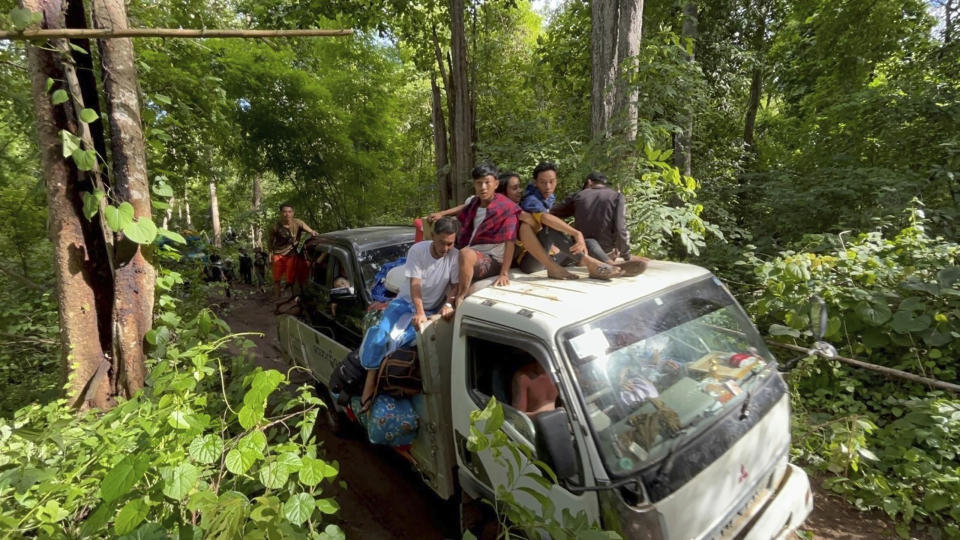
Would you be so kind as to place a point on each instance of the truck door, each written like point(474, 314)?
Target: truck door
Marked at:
point(487, 362)
point(346, 306)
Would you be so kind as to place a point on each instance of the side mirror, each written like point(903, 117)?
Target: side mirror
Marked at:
point(555, 444)
point(342, 293)
point(818, 317)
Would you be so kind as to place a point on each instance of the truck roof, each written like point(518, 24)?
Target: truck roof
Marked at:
point(534, 298)
point(366, 238)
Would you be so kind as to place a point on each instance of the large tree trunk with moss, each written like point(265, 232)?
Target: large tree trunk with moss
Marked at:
point(616, 27)
point(135, 275)
point(84, 296)
point(461, 117)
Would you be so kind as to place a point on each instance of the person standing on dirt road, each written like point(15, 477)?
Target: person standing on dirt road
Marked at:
point(287, 264)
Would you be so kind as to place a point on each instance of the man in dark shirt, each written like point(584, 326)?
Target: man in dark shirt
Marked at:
point(600, 213)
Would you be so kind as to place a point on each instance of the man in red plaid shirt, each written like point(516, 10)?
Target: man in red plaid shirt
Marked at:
point(488, 229)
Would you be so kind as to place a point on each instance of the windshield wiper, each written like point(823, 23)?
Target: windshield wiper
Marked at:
point(668, 460)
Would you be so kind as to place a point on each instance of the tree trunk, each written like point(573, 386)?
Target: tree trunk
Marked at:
point(256, 239)
point(186, 209)
point(753, 105)
point(614, 41)
point(756, 85)
point(950, 9)
point(215, 213)
point(461, 116)
point(78, 268)
point(168, 215)
point(135, 276)
point(440, 147)
point(682, 151)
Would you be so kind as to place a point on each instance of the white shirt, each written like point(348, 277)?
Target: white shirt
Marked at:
point(434, 274)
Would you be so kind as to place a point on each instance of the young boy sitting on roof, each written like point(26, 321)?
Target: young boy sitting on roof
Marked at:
point(488, 230)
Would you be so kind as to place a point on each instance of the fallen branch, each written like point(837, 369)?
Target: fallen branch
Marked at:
point(105, 33)
point(890, 372)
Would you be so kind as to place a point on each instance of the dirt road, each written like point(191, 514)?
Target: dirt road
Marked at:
point(381, 496)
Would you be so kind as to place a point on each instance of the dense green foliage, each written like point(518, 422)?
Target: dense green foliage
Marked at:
point(849, 191)
point(238, 454)
point(886, 443)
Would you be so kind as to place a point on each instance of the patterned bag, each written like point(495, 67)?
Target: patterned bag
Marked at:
point(391, 421)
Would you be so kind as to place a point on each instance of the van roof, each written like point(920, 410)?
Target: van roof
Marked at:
point(559, 303)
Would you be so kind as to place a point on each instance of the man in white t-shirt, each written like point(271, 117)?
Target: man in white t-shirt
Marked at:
point(432, 271)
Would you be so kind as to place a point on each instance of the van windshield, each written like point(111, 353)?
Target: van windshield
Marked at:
point(372, 260)
point(657, 371)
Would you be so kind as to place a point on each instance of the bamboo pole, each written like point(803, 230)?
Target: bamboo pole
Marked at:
point(890, 372)
point(108, 33)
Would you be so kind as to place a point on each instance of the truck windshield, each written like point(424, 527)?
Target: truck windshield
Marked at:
point(657, 371)
point(372, 260)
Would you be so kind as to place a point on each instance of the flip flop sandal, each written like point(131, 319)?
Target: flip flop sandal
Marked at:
point(632, 268)
point(605, 272)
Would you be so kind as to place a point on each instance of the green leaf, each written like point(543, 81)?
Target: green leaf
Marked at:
point(70, 142)
point(239, 461)
point(161, 98)
point(906, 321)
point(124, 475)
point(249, 416)
point(328, 506)
point(178, 419)
point(290, 461)
point(22, 18)
point(84, 159)
point(78, 48)
point(274, 475)
point(255, 440)
point(49, 85)
point(119, 217)
point(141, 231)
point(206, 449)
point(162, 189)
point(88, 116)
point(91, 203)
point(176, 237)
point(298, 508)
point(179, 480)
point(781, 330)
point(313, 470)
point(948, 276)
point(131, 515)
point(159, 205)
point(59, 96)
point(332, 532)
point(97, 519)
point(873, 313)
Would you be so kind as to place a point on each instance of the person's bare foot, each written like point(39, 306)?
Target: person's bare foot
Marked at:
point(561, 273)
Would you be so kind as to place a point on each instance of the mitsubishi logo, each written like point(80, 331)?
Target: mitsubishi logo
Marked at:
point(743, 474)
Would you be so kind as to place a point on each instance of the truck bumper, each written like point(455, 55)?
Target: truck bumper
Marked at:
point(784, 510)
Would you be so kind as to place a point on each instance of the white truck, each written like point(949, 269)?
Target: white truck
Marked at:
point(672, 421)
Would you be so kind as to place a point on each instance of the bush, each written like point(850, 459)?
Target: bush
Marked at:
point(885, 444)
point(197, 453)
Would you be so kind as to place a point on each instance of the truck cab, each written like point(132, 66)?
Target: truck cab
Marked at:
point(343, 267)
point(671, 419)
